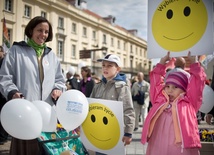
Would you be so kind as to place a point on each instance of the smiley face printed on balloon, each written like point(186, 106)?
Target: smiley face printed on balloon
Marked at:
point(101, 127)
point(179, 24)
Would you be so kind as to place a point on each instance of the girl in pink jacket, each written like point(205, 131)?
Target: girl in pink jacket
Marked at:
point(171, 125)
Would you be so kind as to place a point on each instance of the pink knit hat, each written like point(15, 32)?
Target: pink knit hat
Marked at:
point(179, 79)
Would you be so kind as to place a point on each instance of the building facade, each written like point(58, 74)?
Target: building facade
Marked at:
point(77, 29)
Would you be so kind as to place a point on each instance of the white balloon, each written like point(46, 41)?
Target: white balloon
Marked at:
point(21, 119)
point(81, 64)
point(72, 70)
point(207, 99)
point(49, 118)
point(72, 109)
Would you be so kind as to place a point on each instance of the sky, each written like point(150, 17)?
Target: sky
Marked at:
point(129, 14)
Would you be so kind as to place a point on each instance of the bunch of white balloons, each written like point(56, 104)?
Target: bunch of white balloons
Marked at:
point(26, 120)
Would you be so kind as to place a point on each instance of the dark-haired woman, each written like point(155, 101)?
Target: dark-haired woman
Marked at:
point(87, 83)
point(31, 69)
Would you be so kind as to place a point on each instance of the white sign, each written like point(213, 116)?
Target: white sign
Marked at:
point(180, 26)
point(103, 129)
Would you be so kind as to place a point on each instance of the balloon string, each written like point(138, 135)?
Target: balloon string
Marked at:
point(67, 140)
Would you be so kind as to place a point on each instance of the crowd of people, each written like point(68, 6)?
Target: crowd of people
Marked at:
point(32, 71)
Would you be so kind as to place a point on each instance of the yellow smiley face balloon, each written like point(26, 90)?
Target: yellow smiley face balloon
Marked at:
point(101, 127)
point(179, 24)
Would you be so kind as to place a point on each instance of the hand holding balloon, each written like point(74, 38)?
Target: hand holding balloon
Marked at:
point(17, 95)
point(56, 93)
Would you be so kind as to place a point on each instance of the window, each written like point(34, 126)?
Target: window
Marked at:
point(104, 39)
point(104, 54)
point(74, 27)
point(73, 52)
point(60, 49)
point(43, 14)
point(144, 53)
point(93, 56)
point(118, 44)
point(27, 11)
point(84, 32)
point(131, 62)
point(9, 31)
point(124, 62)
point(61, 22)
point(94, 35)
point(8, 5)
point(140, 52)
point(112, 42)
point(145, 63)
point(131, 49)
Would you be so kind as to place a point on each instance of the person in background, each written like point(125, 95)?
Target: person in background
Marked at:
point(71, 82)
point(114, 87)
point(3, 133)
point(168, 69)
point(180, 64)
point(141, 87)
point(171, 125)
point(32, 70)
point(77, 76)
point(96, 79)
point(210, 117)
point(133, 80)
point(87, 83)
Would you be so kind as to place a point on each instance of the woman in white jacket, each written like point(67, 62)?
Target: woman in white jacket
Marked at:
point(31, 70)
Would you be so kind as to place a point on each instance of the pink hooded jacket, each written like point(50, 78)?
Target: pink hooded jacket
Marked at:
point(186, 105)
